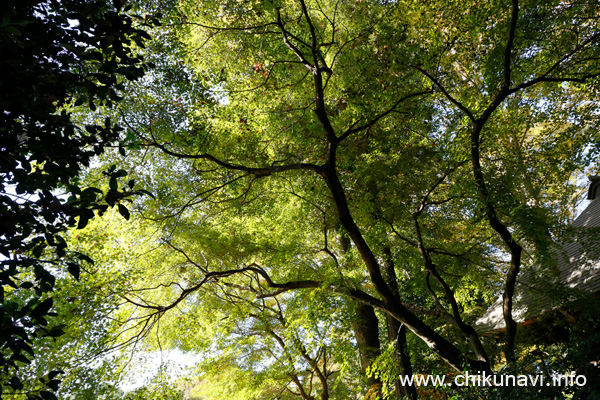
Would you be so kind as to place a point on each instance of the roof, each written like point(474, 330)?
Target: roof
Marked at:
point(576, 274)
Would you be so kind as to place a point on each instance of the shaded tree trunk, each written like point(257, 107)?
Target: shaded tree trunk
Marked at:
point(366, 331)
point(397, 331)
point(397, 335)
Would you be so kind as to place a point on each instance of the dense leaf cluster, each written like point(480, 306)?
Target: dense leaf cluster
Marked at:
point(56, 56)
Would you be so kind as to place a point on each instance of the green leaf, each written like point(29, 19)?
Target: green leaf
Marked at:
point(90, 193)
point(113, 184)
point(54, 384)
point(83, 221)
point(57, 331)
point(43, 308)
point(46, 395)
point(74, 269)
point(55, 373)
point(28, 349)
point(147, 193)
point(15, 383)
point(123, 211)
point(85, 258)
point(21, 358)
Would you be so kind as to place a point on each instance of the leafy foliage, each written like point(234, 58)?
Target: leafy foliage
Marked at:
point(307, 156)
point(56, 57)
point(397, 154)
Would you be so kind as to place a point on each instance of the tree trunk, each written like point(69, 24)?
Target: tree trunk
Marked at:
point(397, 331)
point(397, 335)
point(366, 330)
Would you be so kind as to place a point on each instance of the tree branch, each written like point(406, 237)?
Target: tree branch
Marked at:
point(457, 103)
point(369, 124)
point(291, 46)
point(258, 172)
point(509, 42)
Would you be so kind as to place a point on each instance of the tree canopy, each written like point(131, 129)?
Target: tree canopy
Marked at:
point(341, 189)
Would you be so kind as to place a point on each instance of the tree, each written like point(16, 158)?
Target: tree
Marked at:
point(435, 149)
point(57, 57)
